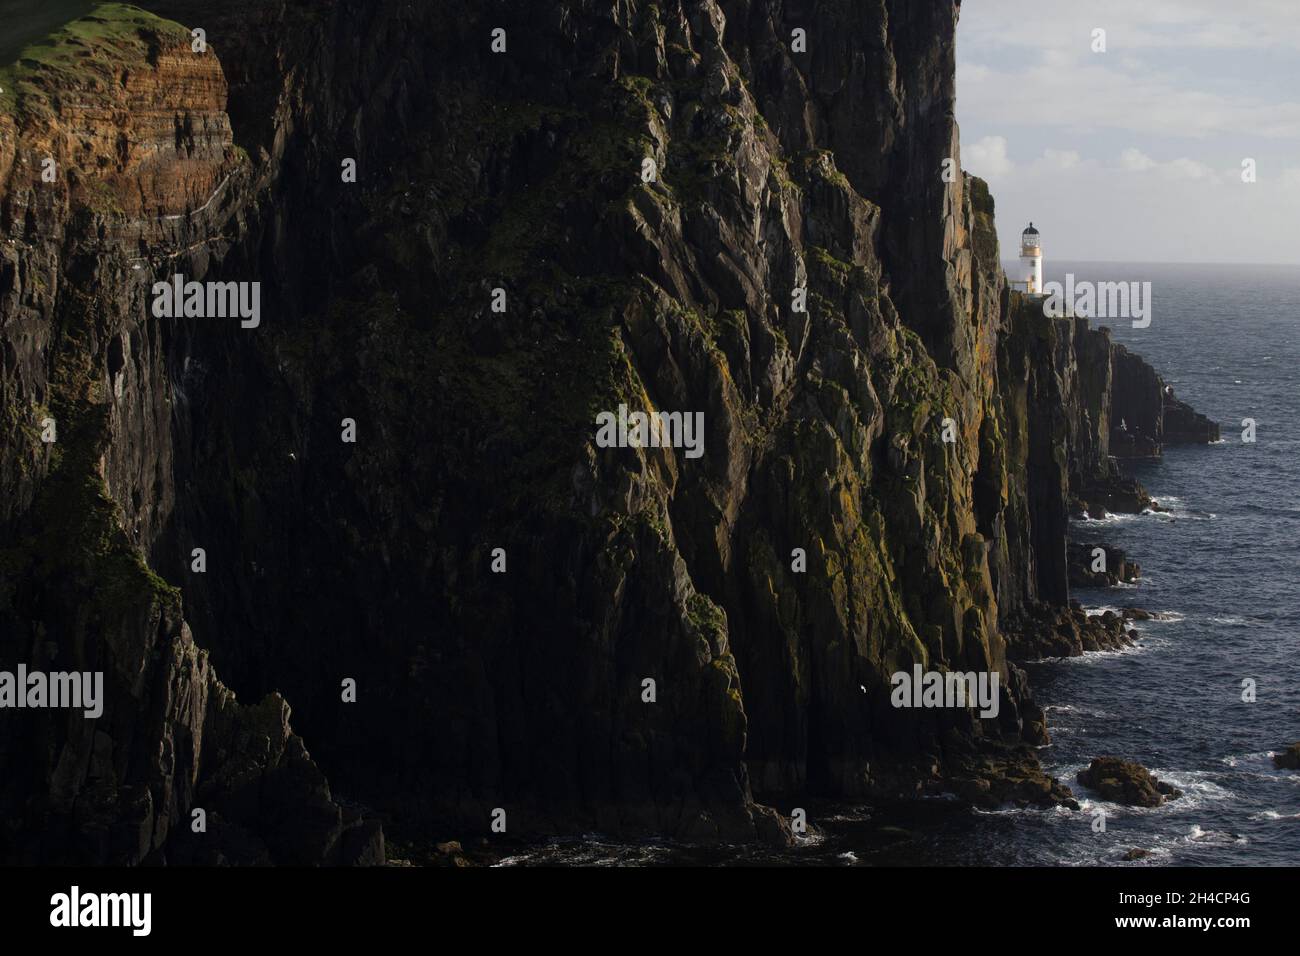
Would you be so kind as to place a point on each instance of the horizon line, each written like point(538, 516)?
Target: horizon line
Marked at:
point(1167, 262)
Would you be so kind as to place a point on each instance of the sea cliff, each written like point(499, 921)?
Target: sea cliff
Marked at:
point(498, 586)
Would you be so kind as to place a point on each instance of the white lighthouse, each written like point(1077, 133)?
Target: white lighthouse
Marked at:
point(1031, 261)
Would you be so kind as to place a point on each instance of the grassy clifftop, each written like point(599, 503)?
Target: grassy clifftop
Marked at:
point(84, 51)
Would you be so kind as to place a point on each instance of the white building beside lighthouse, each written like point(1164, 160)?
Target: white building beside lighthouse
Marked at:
point(1030, 274)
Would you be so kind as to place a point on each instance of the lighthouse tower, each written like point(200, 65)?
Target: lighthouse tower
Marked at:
point(1031, 261)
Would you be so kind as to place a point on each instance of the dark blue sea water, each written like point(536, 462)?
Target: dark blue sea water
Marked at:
point(1223, 567)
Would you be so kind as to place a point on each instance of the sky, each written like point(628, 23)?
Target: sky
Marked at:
point(1135, 154)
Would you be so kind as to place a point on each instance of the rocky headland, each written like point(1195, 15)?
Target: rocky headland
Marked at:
point(920, 434)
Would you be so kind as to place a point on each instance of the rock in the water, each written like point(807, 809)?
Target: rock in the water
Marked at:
point(1087, 571)
point(1288, 759)
point(1138, 614)
point(1066, 632)
point(1126, 782)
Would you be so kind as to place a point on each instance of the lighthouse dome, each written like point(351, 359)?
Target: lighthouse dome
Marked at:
point(1031, 231)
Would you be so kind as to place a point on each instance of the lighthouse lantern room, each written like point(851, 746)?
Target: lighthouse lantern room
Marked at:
point(1031, 262)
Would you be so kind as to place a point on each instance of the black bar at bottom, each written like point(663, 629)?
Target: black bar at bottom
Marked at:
point(208, 906)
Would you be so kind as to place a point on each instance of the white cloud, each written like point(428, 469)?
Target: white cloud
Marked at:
point(1150, 210)
point(1059, 159)
point(1189, 169)
point(1135, 160)
point(1089, 96)
point(1135, 153)
point(1173, 67)
point(1145, 25)
point(988, 158)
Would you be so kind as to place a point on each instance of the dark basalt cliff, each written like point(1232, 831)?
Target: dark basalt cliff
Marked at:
point(1146, 415)
point(372, 560)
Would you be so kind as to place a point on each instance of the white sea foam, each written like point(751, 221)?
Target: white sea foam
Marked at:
point(811, 838)
point(1008, 809)
point(1213, 837)
point(1258, 764)
point(1081, 711)
point(1198, 789)
point(1172, 507)
point(1167, 617)
point(1111, 518)
point(1100, 610)
point(1271, 815)
point(1142, 646)
point(1182, 514)
point(590, 850)
point(849, 816)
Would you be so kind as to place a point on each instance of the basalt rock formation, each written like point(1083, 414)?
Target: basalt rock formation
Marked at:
point(887, 478)
point(1145, 414)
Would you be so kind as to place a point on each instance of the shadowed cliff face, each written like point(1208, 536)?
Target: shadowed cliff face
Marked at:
point(824, 429)
point(136, 129)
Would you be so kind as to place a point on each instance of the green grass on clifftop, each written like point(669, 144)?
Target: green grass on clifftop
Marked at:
point(89, 49)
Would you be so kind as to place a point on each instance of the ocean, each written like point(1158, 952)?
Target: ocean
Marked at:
point(1221, 566)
